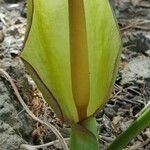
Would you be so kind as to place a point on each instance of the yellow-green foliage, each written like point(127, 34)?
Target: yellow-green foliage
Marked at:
point(72, 51)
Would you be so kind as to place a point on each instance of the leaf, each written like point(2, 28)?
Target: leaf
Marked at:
point(47, 50)
point(104, 46)
point(73, 47)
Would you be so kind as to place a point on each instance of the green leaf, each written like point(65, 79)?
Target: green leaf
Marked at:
point(136, 127)
point(104, 46)
point(47, 50)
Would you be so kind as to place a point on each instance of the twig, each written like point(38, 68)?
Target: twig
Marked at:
point(142, 28)
point(135, 25)
point(55, 131)
point(43, 145)
point(27, 147)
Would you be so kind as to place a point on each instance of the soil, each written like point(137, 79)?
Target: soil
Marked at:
point(131, 92)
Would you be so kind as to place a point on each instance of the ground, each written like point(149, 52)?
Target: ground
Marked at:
point(130, 95)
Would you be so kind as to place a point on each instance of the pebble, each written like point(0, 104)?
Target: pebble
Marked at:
point(12, 1)
point(148, 52)
point(109, 112)
point(1, 36)
point(137, 69)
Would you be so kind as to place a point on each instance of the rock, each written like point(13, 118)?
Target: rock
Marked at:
point(1, 36)
point(129, 9)
point(9, 140)
point(11, 111)
point(24, 11)
point(110, 112)
point(137, 69)
point(148, 52)
point(125, 125)
point(12, 1)
point(139, 41)
point(124, 9)
point(10, 114)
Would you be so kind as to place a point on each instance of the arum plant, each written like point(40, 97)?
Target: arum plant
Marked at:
point(71, 50)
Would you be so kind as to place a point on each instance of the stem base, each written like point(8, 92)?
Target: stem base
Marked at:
point(84, 135)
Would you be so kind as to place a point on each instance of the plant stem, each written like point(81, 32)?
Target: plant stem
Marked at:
point(84, 136)
point(134, 129)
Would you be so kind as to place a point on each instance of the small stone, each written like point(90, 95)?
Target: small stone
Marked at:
point(14, 53)
point(9, 139)
point(24, 12)
point(1, 36)
point(125, 125)
point(12, 1)
point(148, 52)
point(109, 112)
point(137, 69)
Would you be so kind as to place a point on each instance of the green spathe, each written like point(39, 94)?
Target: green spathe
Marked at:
point(71, 50)
point(51, 50)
